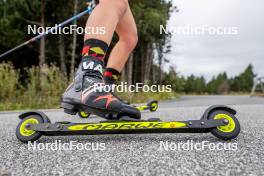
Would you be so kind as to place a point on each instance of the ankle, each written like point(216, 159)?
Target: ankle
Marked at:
point(94, 52)
point(111, 76)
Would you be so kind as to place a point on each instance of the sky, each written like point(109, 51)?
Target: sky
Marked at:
point(207, 55)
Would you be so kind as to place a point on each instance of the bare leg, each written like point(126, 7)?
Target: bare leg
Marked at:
point(107, 14)
point(127, 32)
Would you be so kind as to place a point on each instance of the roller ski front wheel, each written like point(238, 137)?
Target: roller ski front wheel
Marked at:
point(229, 131)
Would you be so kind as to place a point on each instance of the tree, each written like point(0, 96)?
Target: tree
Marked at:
point(175, 80)
point(219, 84)
point(74, 42)
point(42, 50)
point(245, 81)
point(149, 16)
point(144, 64)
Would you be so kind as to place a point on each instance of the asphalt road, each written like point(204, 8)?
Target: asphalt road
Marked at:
point(141, 154)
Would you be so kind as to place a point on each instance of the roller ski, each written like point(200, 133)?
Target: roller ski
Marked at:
point(151, 106)
point(219, 120)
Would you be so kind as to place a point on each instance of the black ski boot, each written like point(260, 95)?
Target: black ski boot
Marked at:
point(89, 93)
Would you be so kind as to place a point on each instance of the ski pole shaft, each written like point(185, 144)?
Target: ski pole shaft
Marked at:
point(88, 11)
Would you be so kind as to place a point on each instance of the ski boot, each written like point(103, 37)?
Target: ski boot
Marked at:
point(110, 77)
point(88, 92)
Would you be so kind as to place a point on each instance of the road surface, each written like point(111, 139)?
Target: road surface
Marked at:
point(143, 154)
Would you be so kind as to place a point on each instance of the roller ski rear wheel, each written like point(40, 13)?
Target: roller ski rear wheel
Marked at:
point(153, 105)
point(84, 115)
point(26, 135)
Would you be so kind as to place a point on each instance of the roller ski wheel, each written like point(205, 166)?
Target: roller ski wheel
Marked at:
point(84, 115)
point(24, 134)
point(229, 131)
point(153, 105)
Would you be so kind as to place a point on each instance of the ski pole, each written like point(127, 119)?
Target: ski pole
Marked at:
point(87, 11)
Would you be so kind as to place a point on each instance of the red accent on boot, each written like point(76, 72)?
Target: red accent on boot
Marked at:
point(108, 74)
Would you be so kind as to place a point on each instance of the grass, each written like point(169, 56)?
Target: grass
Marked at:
point(43, 89)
